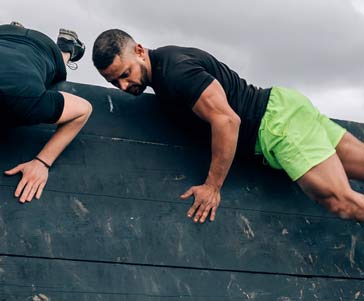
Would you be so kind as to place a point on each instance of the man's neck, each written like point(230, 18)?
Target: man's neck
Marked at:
point(149, 66)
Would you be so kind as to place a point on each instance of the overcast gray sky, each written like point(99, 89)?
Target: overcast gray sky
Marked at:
point(315, 46)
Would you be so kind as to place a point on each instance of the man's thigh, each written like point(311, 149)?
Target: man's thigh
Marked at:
point(334, 131)
point(294, 135)
point(326, 178)
point(303, 148)
point(328, 184)
point(351, 153)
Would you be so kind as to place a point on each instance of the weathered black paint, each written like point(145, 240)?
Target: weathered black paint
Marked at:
point(111, 226)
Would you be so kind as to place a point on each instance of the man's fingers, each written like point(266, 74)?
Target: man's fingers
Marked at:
point(40, 190)
point(14, 170)
point(213, 214)
point(205, 214)
point(32, 182)
point(207, 200)
point(187, 194)
point(20, 187)
point(32, 192)
point(199, 213)
point(194, 207)
point(26, 191)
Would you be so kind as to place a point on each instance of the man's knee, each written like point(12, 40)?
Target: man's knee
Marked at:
point(350, 147)
point(341, 203)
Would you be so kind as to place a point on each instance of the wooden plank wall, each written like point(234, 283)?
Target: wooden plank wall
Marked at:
point(111, 226)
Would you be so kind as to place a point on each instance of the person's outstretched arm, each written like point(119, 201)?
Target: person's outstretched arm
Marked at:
point(75, 114)
point(213, 107)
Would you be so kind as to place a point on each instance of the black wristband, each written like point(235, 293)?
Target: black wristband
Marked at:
point(44, 163)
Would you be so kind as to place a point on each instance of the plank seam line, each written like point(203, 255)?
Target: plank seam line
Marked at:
point(110, 138)
point(181, 203)
point(184, 267)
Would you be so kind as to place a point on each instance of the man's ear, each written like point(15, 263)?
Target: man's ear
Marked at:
point(139, 50)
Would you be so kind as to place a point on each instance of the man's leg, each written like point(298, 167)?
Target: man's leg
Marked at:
point(351, 153)
point(327, 183)
point(296, 137)
point(71, 47)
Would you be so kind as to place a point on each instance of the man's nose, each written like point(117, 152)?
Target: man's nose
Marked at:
point(123, 85)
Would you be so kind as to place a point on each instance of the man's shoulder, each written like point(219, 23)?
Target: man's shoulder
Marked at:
point(172, 65)
point(173, 54)
point(171, 49)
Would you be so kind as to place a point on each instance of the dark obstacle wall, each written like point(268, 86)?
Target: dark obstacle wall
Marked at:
point(111, 226)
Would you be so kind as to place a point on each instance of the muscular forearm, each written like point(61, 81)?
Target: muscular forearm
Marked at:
point(65, 133)
point(225, 132)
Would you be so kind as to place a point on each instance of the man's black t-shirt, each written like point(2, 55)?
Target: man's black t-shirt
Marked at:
point(30, 62)
point(181, 74)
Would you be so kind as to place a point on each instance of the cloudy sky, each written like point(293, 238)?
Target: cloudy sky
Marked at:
point(315, 46)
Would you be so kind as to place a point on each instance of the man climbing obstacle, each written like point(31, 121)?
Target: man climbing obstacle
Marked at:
point(30, 64)
point(279, 123)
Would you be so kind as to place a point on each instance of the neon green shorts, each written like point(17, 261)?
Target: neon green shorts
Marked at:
point(294, 135)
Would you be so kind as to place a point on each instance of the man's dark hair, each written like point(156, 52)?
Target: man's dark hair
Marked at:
point(108, 44)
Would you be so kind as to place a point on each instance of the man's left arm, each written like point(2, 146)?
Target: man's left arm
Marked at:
point(75, 114)
point(213, 107)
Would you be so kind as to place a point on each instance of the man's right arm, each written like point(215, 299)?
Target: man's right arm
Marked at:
point(213, 107)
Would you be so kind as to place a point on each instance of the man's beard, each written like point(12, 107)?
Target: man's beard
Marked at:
point(137, 89)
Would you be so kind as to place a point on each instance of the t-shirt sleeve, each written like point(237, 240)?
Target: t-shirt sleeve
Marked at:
point(46, 108)
point(187, 81)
